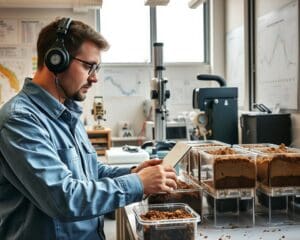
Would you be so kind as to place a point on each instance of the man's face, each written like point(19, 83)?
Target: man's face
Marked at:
point(76, 80)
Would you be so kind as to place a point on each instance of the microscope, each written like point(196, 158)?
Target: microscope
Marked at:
point(159, 95)
point(98, 112)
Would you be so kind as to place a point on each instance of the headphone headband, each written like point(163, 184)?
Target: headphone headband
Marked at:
point(63, 27)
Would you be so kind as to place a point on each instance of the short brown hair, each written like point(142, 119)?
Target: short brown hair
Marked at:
point(78, 33)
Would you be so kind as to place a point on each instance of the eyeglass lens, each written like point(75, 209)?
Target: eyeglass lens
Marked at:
point(94, 68)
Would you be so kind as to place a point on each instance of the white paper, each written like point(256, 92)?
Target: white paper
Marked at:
point(8, 31)
point(278, 57)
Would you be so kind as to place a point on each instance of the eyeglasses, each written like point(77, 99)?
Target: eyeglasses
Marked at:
point(93, 67)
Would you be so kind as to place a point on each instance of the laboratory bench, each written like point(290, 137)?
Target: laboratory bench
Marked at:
point(121, 141)
point(126, 229)
point(242, 212)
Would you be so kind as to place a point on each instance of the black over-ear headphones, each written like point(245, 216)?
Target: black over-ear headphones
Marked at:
point(57, 58)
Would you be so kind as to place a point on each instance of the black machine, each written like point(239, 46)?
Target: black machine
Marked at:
point(221, 109)
point(266, 128)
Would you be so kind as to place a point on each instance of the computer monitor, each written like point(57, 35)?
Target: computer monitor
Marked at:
point(174, 130)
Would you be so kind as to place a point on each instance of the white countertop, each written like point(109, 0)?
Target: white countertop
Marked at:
point(254, 233)
point(208, 232)
point(117, 155)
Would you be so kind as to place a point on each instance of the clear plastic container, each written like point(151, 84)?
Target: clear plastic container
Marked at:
point(188, 192)
point(229, 207)
point(278, 166)
point(253, 146)
point(190, 164)
point(228, 178)
point(278, 181)
point(278, 206)
point(228, 168)
point(182, 167)
point(166, 229)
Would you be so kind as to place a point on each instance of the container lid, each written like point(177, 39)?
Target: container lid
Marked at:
point(176, 154)
point(200, 143)
point(255, 145)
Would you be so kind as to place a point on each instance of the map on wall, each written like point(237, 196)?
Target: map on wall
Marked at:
point(10, 78)
point(235, 59)
point(123, 83)
point(277, 57)
point(17, 54)
point(14, 67)
point(9, 84)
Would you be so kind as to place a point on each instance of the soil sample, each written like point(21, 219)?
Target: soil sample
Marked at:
point(187, 193)
point(172, 231)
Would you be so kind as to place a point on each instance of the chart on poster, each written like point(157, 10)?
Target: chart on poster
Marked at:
point(277, 57)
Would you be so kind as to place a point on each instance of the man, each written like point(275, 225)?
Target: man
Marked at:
point(51, 184)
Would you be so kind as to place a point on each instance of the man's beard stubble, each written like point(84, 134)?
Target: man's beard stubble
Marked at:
point(78, 96)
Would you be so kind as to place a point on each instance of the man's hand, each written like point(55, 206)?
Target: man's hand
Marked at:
point(158, 178)
point(145, 164)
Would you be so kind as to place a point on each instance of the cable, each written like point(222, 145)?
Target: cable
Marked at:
point(59, 86)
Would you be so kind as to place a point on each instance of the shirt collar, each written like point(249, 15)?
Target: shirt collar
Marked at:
point(46, 101)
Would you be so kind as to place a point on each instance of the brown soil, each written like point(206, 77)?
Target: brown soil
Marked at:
point(172, 231)
point(159, 215)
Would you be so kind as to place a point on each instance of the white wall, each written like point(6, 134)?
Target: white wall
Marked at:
point(234, 14)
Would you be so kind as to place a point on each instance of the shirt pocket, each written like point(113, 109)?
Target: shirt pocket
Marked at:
point(70, 157)
point(91, 159)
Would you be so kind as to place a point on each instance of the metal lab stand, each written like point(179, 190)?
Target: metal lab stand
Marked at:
point(285, 215)
point(239, 218)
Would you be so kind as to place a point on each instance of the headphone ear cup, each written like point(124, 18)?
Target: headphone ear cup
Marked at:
point(57, 59)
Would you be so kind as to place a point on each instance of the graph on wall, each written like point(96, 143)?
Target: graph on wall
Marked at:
point(277, 57)
point(235, 59)
point(125, 82)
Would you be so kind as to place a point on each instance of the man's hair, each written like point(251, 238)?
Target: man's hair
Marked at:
point(78, 33)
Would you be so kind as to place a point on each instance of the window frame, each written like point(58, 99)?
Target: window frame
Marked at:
point(153, 37)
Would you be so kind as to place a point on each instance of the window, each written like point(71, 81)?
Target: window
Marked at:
point(180, 29)
point(126, 26)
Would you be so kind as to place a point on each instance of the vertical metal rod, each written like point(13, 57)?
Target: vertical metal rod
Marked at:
point(160, 106)
point(251, 51)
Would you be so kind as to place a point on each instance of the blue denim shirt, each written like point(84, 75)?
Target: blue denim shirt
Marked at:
point(51, 184)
